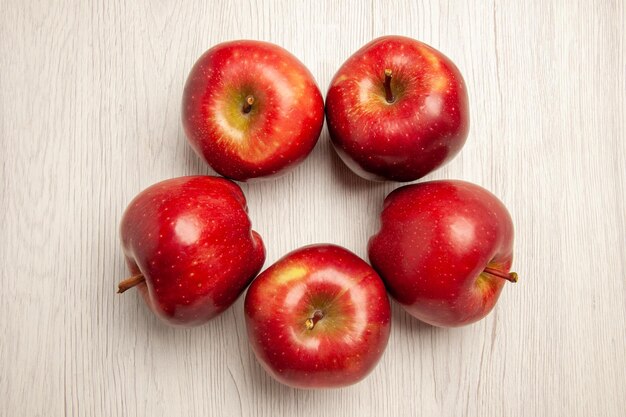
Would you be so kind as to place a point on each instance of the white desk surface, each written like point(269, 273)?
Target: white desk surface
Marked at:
point(89, 101)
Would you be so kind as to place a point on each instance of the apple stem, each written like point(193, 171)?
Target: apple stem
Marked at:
point(311, 322)
point(388, 93)
point(129, 283)
point(247, 106)
point(511, 276)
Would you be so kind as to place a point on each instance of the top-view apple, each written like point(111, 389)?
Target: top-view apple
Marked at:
point(318, 318)
point(397, 109)
point(251, 109)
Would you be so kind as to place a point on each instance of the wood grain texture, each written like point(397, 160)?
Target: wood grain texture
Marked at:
point(89, 104)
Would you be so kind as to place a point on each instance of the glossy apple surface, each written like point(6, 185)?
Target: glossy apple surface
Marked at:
point(397, 109)
point(189, 242)
point(444, 250)
point(251, 109)
point(318, 318)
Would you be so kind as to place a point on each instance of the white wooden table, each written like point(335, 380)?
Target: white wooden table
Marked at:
point(89, 102)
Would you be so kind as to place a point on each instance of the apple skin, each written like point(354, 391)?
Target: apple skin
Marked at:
point(435, 241)
point(191, 239)
point(424, 127)
point(282, 125)
point(345, 344)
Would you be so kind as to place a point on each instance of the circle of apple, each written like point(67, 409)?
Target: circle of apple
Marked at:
point(320, 316)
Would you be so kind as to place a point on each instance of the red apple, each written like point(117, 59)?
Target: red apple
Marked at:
point(444, 250)
point(318, 318)
point(251, 109)
point(189, 246)
point(397, 109)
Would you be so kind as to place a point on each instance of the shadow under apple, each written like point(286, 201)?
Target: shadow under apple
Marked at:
point(408, 324)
